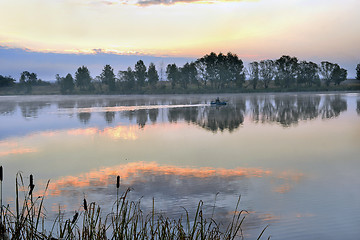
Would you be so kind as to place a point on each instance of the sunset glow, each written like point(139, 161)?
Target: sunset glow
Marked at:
point(262, 29)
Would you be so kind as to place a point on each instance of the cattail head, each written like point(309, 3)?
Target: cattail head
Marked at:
point(85, 205)
point(31, 185)
point(118, 182)
point(1, 173)
point(74, 218)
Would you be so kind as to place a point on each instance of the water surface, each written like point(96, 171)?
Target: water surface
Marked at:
point(293, 158)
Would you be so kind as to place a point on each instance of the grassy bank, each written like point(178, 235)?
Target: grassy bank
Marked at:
point(165, 88)
point(126, 220)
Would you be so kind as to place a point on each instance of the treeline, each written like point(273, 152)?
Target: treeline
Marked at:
point(216, 72)
point(26, 82)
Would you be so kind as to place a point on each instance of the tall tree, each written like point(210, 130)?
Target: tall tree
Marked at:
point(172, 72)
point(236, 70)
point(338, 75)
point(128, 78)
point(308, 73)
point(254, 74)
point(358, 72)
point(83, 78)
point(107, 77)
point(140, 73)
point(153, 76)
point(28, 78)
point(210, 62)
point(267, 71)
point(67, 84)
point(326, 69)
point(286, 71)
point(193, 74)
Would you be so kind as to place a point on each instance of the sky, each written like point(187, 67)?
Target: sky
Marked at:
point(56, 36)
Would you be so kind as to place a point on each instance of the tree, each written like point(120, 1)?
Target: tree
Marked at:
point(28, 79)
point(254, 74)
point(338, 75)
point(358, 72)
point(209, 62)
point(108, 77)
point(188, 74)
point(326, 69)
point(67, 84)
point(83, 78)
point(286, 67)
point(153, 76)
point(128, 78)
point(193, 74)
point(308, 73)
point(267, 71)
point(6, 81)
point(172, 72)
point(140, 73)
point(221, 70)
point(236, 70)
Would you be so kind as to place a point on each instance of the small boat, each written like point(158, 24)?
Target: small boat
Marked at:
point(217, 102)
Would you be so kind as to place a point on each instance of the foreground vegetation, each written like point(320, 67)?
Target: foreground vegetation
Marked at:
point(126, 220)
point(213, 73)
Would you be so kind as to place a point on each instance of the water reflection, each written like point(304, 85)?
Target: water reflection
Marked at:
point(286, 110)
point(149, 176)
point(31, 109)
point(333, 106)
point(84, 117)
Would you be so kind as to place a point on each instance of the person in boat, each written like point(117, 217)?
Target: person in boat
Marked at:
point(217, 100)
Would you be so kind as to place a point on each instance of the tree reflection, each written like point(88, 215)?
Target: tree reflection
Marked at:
point(109, 117)
point(141, 117)
point(84, 117)
point(153, 114)
point(308, 107)
point(333, 106)
point(286, 110)
point(31, 109)
point(222, 118)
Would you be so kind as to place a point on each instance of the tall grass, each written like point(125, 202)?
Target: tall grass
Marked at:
point(126, 220)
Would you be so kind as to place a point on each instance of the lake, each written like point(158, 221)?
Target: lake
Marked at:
point(294, 158)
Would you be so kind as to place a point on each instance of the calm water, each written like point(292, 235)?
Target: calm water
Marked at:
point(293, 158)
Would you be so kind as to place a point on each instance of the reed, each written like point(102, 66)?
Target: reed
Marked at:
point(125, 221)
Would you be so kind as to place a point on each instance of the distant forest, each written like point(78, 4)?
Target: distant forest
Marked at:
point(210, 73)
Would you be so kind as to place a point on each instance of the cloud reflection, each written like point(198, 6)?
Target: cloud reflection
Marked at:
point(134, 173)
point(9, 148)
point(116, 133)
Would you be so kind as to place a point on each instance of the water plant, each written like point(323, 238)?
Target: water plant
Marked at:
point(126, 220)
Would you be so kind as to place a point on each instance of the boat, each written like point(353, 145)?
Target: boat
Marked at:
point(217, 102)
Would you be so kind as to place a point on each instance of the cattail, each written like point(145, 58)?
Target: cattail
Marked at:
point(1, 173)
point(74, 218)
point(31, 185)
point(85, 205)
point(118, 182)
